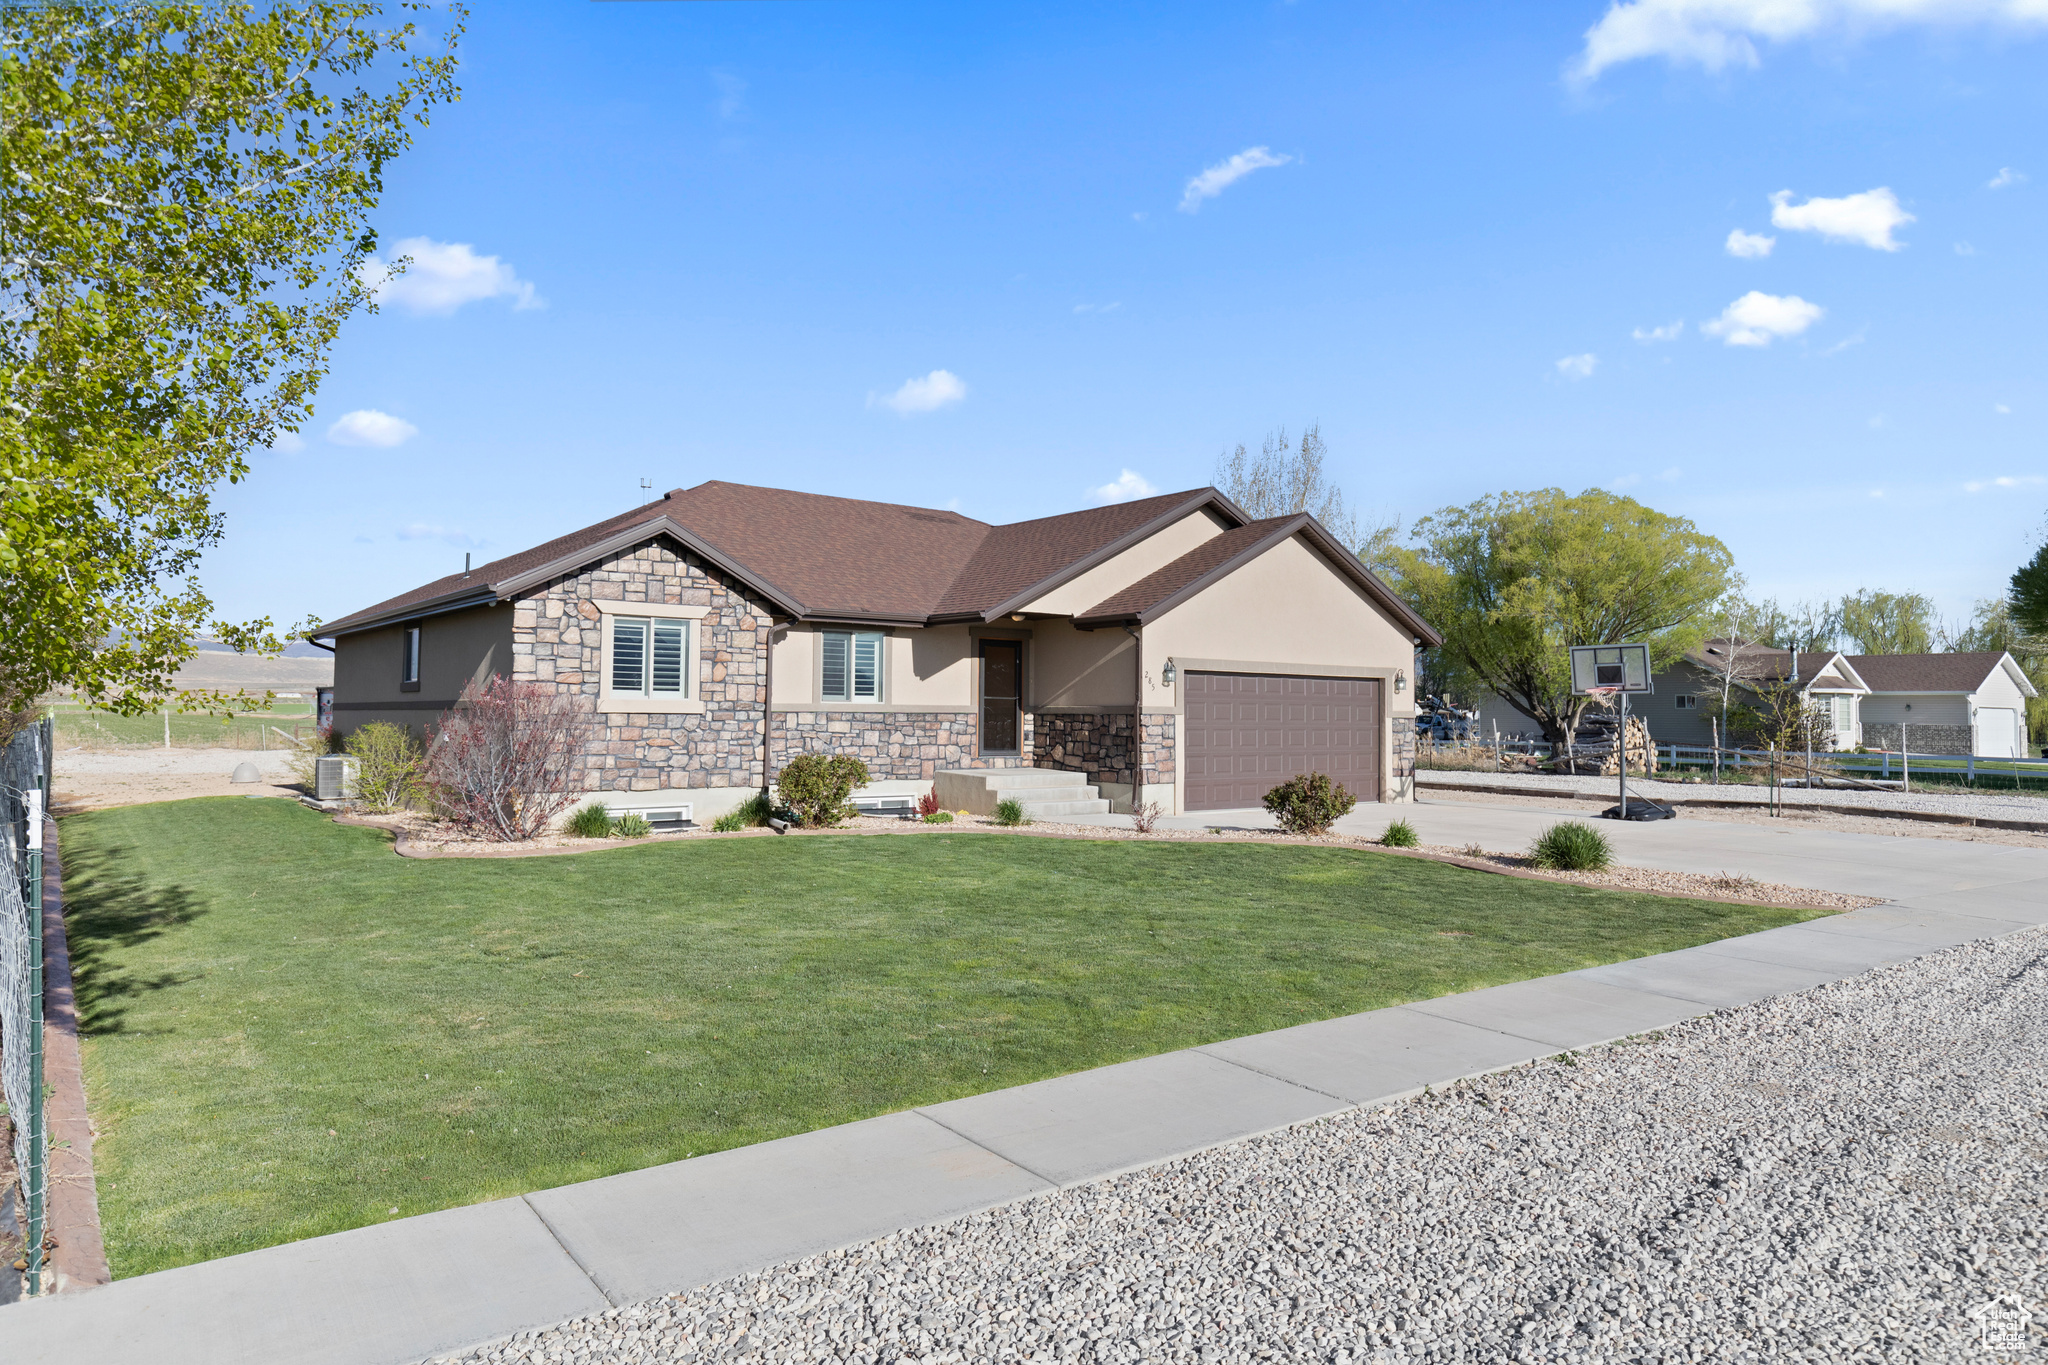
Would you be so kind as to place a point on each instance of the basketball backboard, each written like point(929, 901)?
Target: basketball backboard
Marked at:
point(1625, 668)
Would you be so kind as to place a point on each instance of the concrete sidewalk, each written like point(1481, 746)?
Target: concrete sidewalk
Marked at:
point(416, 1287)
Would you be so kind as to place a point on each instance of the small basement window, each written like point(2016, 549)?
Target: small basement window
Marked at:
point(666, 820)
point(852, 666)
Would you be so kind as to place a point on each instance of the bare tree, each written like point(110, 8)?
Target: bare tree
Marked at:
point(502, 760)
point(1284, 478)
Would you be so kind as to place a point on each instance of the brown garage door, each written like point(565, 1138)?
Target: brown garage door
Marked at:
point(1247, 733)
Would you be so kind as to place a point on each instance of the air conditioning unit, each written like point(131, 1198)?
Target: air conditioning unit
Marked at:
point(334, 778)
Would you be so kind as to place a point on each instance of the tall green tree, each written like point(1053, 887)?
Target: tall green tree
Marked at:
point(2028, 598)
point(187, 218)
point(1513, 579)
point(1888, 622)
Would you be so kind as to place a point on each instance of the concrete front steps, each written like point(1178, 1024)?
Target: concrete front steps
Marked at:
point(1047, 793)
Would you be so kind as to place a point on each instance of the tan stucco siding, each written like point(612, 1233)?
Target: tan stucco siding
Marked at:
point(1090, 668)
point(1288, 606)
point(1111, 576)
point(454, 649)
point(920, 668)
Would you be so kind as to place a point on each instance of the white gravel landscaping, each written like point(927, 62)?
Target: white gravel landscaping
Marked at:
point(1984, 802)
point(1847, 1174)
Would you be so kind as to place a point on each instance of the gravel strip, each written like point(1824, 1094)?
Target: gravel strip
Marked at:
point(434, 837)
point(1725, 886)
point(1985, 802)
point(1847, 1174)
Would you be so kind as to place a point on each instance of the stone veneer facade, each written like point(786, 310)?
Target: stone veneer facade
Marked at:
point(896, 745)
point(1401, 775)
point(1927, 739)
point(1098, 743)
point(557, 638)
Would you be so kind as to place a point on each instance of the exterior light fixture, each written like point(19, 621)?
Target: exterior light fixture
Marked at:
point(1168, 674)
point(1016, 616)
point(1400, 681)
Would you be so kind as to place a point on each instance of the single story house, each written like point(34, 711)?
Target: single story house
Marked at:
point(1173, 646)
point(1951, 703)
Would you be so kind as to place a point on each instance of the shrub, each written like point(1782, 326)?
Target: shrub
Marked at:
point(593, 821)
point(815, 787)
point(928, 804)
point(1144, 817)
point(748, 814)
point(389, 772)
point(632, 825)
point(501, 760)
point(1011, 812)
point(1571, 846)
point(1309, 804)
point(939, 817)
point(311, 750)
point(1400, 834)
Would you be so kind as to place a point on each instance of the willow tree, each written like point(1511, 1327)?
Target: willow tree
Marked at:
point(1514, 579)
point(186, 218)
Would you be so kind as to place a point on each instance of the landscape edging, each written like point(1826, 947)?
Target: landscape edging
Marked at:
point(80, 1255)
point(404, 847)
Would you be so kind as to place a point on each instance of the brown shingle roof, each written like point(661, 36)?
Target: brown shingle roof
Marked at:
point(1016, 558)
point(824, 555)
point(1925, 672)
point(1765, 664)
point(1211, 554)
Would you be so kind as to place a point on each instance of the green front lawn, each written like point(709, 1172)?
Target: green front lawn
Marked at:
point(292, 1031)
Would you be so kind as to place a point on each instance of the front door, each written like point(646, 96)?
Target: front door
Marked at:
point(1002, 692)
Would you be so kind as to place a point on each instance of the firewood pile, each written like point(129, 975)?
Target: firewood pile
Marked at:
point(1593, 751)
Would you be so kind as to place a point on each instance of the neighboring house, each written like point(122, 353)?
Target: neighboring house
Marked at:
point(1685, 697)
point(721, 629)
point(1954, 703)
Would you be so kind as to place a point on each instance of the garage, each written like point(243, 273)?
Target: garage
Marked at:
point(1249, 732)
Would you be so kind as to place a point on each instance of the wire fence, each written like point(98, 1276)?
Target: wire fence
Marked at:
point(24, 795)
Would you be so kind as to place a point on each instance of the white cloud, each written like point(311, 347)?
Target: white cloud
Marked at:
point(732, 94)
point(369, 427)
point(1756, 319)
point(1854, 338)
point(1867, 218)
point(2004, 481)
point(1224, 174)
point(1625, 481)
point(1876, 423)
point(285, 442)
point(2001, 409)
point(443, 276)
point(1965, 249)
point(1129, 486)
point(1716, 34)
point(1650, 335)
point(1098, 307)
point(1749, 245)
point(447, 535)
point(1672, 474)
point(2006, 176)
point(928, 394)
point(1578, 366)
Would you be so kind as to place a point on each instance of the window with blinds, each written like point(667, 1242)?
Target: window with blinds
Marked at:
point(648, 657)
point(852, 666)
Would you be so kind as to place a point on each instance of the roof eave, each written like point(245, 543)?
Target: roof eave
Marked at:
point(644, 530)
point(482, 596)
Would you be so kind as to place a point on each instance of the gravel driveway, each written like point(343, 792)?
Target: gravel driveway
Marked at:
point(1839, 1175)
point(1986, 801)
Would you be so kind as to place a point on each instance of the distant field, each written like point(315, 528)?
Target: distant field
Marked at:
point(82, 726)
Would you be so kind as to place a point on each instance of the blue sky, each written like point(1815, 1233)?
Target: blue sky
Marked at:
point(679, 242)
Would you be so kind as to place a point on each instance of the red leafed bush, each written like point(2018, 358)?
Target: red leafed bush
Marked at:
point(928, 804)
point(501, 761)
